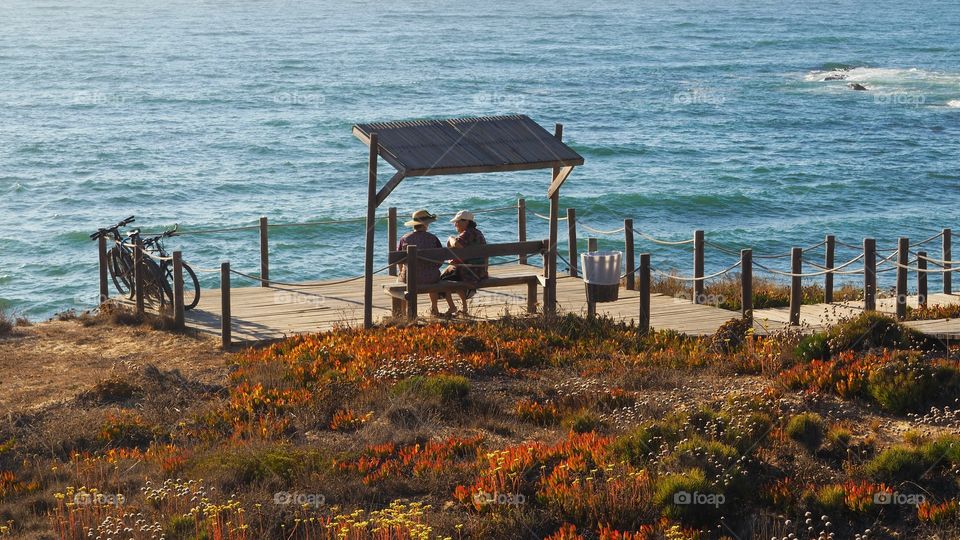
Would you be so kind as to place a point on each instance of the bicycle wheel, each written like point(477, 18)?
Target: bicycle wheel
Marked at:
point(120, 266)
point(155, 287)
point(191, 286)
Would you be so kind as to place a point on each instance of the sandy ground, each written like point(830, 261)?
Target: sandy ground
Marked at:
point(52, 362)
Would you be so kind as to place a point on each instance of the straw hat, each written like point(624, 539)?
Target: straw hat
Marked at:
point(463, 214)
point(421, 217)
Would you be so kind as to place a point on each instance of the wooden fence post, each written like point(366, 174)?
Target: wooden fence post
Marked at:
point(522, 226)
point(947, 276)
point(746, 284)
point(698, 285)
point(178, 311)
point(903, 257)
point(796, 285)
point(102, 252)
point(572, 240)
point(869, 274)
point(411, 296)
point(591, 244)
point(922, 278)
point(628, 254)
point(643, 325)
point(391, 236)
point(138, 277)
point(264, 252)
point(226, 320)
point(828, 263)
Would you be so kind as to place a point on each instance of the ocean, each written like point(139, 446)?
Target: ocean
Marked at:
point(735, 117)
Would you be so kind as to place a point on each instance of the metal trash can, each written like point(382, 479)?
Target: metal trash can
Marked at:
point(601, 275)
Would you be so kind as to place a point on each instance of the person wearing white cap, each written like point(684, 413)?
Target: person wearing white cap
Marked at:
point(470, 270)
point(427, 272)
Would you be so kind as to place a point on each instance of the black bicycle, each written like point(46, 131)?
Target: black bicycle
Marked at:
point(158, 268)
point(191, 285)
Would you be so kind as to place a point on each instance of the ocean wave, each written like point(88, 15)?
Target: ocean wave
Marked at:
point(954, 104)
point(610, 150)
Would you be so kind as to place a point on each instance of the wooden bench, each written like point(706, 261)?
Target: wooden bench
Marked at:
point(405, 294)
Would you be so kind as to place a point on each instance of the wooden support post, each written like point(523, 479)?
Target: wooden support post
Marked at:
point(179, 321)
point(947, 276)
point(550, 291)
point(796, 285)
point(828, 263)
point(392, 236)
point(922, 278)
point(522, 225)
point(102, 253)
point(643, 285)
point(226, 320)
point(411, 296)
point(572, 240)
point(592, 244)
point(371, 227)
point(903, 257)
point(264, 252)
point(746, 284)
point(138, 278)
point(698, 285)
point(869, 274)
point(628, 254)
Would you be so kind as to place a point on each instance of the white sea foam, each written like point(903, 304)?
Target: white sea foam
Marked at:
point(954, 104)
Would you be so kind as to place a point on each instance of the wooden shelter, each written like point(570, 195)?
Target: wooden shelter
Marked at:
point(459, 146)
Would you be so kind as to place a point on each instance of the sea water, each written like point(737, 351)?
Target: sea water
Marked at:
point(713, 115)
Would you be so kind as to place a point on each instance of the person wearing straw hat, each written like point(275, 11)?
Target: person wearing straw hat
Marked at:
point(427, 272)
point(470, 271)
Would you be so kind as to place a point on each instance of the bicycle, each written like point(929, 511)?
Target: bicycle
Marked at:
point(158, 269)
point(191, 285)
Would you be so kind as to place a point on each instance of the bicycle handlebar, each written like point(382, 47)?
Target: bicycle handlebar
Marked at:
point(103, 232)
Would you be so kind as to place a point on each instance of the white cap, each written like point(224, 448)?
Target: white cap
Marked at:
point(463, 214)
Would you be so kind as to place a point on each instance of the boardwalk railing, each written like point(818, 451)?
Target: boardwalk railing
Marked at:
point(868, 262)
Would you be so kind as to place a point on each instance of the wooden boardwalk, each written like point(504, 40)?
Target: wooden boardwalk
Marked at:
point(267, 313)
point(264, 313)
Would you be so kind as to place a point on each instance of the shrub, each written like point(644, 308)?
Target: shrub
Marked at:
point(813, 347)
point(543, 414)
point(714, 457)
point(945, 449)
point(871, 330)
point(114, 390)
point(731, 335)
point(897, 464)
point(583, 421)
point(672, 494)
point(807, 429)
point(831, 498)
point(902, 385)
point(469, 345)
point(644, 442)
point(6, 324)
point(448, 389)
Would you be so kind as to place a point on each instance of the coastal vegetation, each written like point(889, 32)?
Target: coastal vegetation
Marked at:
point(566, 428)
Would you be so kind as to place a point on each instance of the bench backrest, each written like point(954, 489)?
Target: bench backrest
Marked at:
point(532, 247)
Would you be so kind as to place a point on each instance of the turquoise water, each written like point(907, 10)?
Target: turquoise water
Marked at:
point(710, 115)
